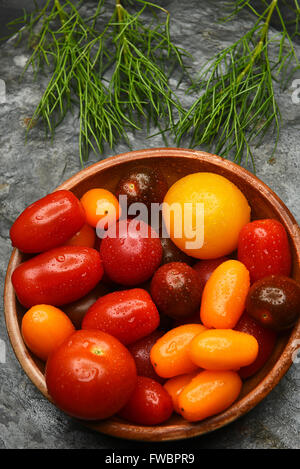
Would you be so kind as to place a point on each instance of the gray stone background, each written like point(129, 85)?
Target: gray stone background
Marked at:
point(28, 172)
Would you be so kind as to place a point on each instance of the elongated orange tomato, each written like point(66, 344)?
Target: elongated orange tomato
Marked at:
point(223, 349)
point(169, 355)
point(209, 393)
point(224, 295)
point(175, 385)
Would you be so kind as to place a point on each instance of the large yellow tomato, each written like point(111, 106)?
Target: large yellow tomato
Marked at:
point(204, 213)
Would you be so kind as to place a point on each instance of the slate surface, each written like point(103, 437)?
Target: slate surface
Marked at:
point(27, 172)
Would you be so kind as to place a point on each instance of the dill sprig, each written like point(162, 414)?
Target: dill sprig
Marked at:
point(237, 104)
point(115, 74)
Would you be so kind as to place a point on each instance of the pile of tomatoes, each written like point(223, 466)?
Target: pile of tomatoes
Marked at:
point(138, 325)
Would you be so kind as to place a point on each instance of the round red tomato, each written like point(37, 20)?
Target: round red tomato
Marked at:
point(149, 404)
point(58, 276)
point(91, 376)
point(128, 315)
point(131, 252)
point(48, 223)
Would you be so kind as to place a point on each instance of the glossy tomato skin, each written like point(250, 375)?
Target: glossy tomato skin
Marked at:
point(58, 276)
point(78, 309)
point(176, 290)
point(263, 248)
point(48, 223)
point(128, 315)
point(140, 350)
point(149, 404)
point(143, 185)
point(266, 339)
point(205, 267)
point(274, 302)
point(91, 376)
point(132, 253)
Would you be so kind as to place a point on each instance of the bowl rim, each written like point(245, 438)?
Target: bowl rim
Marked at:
point(122, 429)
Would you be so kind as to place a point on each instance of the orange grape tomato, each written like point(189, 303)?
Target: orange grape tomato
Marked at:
point(85, 237)
point(169, 355)
point(223, 349)
point(209, 393)
point(224, 295)
point(44, 329)
point(100, 203)
point(175, 385)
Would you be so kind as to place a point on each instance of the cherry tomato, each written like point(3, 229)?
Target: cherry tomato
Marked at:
point(205, 267)
point(140, 350)
point(274, 302)
point(78, 309)
point(128, 315)
point(132, 253)
point(176, 290)
point(85, 237)
point(209, 393)
point(143, 185)
point(264, 249)
point(266, 339)
point(175, 385)
point(48, 223)
point(224, 295)
point(100, 203)
point(91, 376)
point(171, 253)
point(149, 404)
point(58, 276)
point(223, 349)
point(169, 355)
point(44, 329)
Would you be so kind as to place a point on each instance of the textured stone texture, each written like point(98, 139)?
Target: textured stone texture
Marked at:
point(30, 171)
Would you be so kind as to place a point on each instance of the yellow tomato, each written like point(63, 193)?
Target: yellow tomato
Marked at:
point(100, 203)
point(205, 207)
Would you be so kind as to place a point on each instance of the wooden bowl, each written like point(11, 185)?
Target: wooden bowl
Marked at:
point(174, 163)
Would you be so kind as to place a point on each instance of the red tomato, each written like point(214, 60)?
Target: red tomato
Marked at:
point(132, 254)
point(266, 341)
point(205, 268)
point(149, 404)
point(58, 276)
point(91, 376)
point(78, 309)
point(140, 351)
point(48, 223)
point(128, 315)
point(264, 249)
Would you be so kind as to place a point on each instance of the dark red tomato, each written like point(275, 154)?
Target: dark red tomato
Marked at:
point(132, 253)
point(264, 249)
point(128, 315)
point(205, 267)
point(78, 309)
point(48, 223)
point(91, 376)
point(171, 253)
point(57, 277)
point(176, 290)
point(274, 302)
point(143, 185)
point(149, 404)
point(140, 351)
point(266, 341)
point(194, 319)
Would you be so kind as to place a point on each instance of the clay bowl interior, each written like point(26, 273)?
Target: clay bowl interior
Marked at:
point(174, 164)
